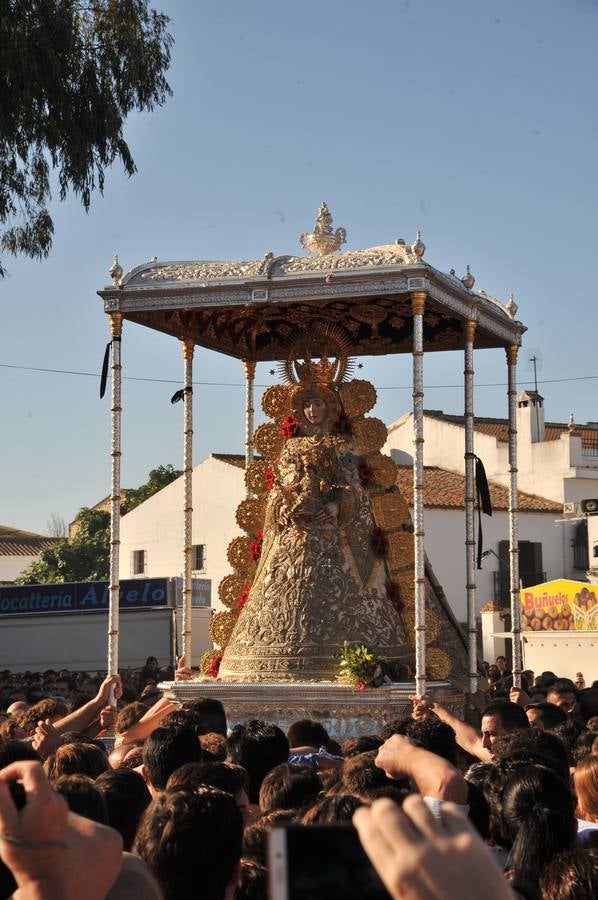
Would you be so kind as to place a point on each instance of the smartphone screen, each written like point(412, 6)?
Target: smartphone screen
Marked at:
point(321, 862)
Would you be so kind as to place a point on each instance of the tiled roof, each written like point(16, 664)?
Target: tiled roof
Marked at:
point(14, 542)
point(446, 490)
point(499, 428)
point(233, 459)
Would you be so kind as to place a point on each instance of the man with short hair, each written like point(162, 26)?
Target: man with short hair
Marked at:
point(499, 718)
point(165, 750)
point(501, 664)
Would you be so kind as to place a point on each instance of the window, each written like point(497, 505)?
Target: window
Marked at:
point(199, 558)
point(530, 569)
point(138, 562)
point(581, 558)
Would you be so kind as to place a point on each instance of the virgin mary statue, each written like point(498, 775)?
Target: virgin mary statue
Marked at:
point(322, 578)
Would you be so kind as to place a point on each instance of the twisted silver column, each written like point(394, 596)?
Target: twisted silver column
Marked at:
point(249, 369)
point(116, 321)
point(187, 637)
point(418, 302)
point(472, 638)
point(511, 352)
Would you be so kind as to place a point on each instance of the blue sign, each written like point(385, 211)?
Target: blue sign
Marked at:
point(81, 596)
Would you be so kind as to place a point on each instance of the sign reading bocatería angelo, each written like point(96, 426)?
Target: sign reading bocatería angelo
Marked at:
point(560, 605)
point(81, 596)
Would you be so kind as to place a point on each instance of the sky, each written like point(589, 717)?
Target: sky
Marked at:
point(473, 121)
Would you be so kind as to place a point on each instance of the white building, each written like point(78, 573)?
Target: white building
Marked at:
point(557, 461)
point(18, 549)
point(152, 533)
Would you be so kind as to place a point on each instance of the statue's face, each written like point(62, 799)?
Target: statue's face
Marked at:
point(315, 410)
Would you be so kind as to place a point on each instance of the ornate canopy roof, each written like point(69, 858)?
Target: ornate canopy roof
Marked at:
point(251, 309)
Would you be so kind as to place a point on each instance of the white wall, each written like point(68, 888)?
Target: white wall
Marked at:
point(156, 526)
point(11, 566)
point(445, 547)
point(78, 640)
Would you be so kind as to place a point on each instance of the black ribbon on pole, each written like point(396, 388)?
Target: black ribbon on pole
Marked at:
point(180, 394)
point(105, 364)
point(484, 502)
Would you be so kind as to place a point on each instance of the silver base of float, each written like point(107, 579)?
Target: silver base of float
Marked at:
point(343, 711)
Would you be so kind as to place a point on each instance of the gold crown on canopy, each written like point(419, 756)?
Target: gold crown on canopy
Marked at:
point(318, 357)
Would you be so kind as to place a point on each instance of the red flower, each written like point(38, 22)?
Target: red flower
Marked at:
point(255, 547)
point(393, 592)
point(379, 543)
point(243, 596)
point(269, 478)
point(215, 665)
point(365, 472)
point(360, 686)
point(289, 427)
point(342, 427)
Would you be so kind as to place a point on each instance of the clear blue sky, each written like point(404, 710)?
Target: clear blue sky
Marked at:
point(474, 121)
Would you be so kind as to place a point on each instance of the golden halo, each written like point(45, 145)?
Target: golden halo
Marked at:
point(229, 589)
point(329, 344)
point(276, 402)
point(251, 513)
point(254, 475)
point(358, 397)
point(370, 435)
point(438, 663)
point(267, 440)
point(238, 555)
point(221, 627)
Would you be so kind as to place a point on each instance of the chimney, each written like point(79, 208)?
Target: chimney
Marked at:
point(530, 416)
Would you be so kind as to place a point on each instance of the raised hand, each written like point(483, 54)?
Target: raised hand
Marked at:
point(33, 838)
point(419, 857)
point(46, 739)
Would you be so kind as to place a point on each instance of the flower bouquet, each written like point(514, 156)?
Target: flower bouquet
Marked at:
point(363, 669)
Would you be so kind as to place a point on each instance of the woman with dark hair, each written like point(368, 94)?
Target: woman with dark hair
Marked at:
point(539, 817)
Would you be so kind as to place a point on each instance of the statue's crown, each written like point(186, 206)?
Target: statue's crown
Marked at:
point(322, 371)
point(318, 357)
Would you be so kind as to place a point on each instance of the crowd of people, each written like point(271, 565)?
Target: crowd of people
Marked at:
point(180, 804)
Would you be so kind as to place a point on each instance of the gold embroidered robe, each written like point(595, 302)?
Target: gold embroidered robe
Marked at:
point(317, 584)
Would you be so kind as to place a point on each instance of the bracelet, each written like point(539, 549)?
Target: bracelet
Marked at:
point(32, 845)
